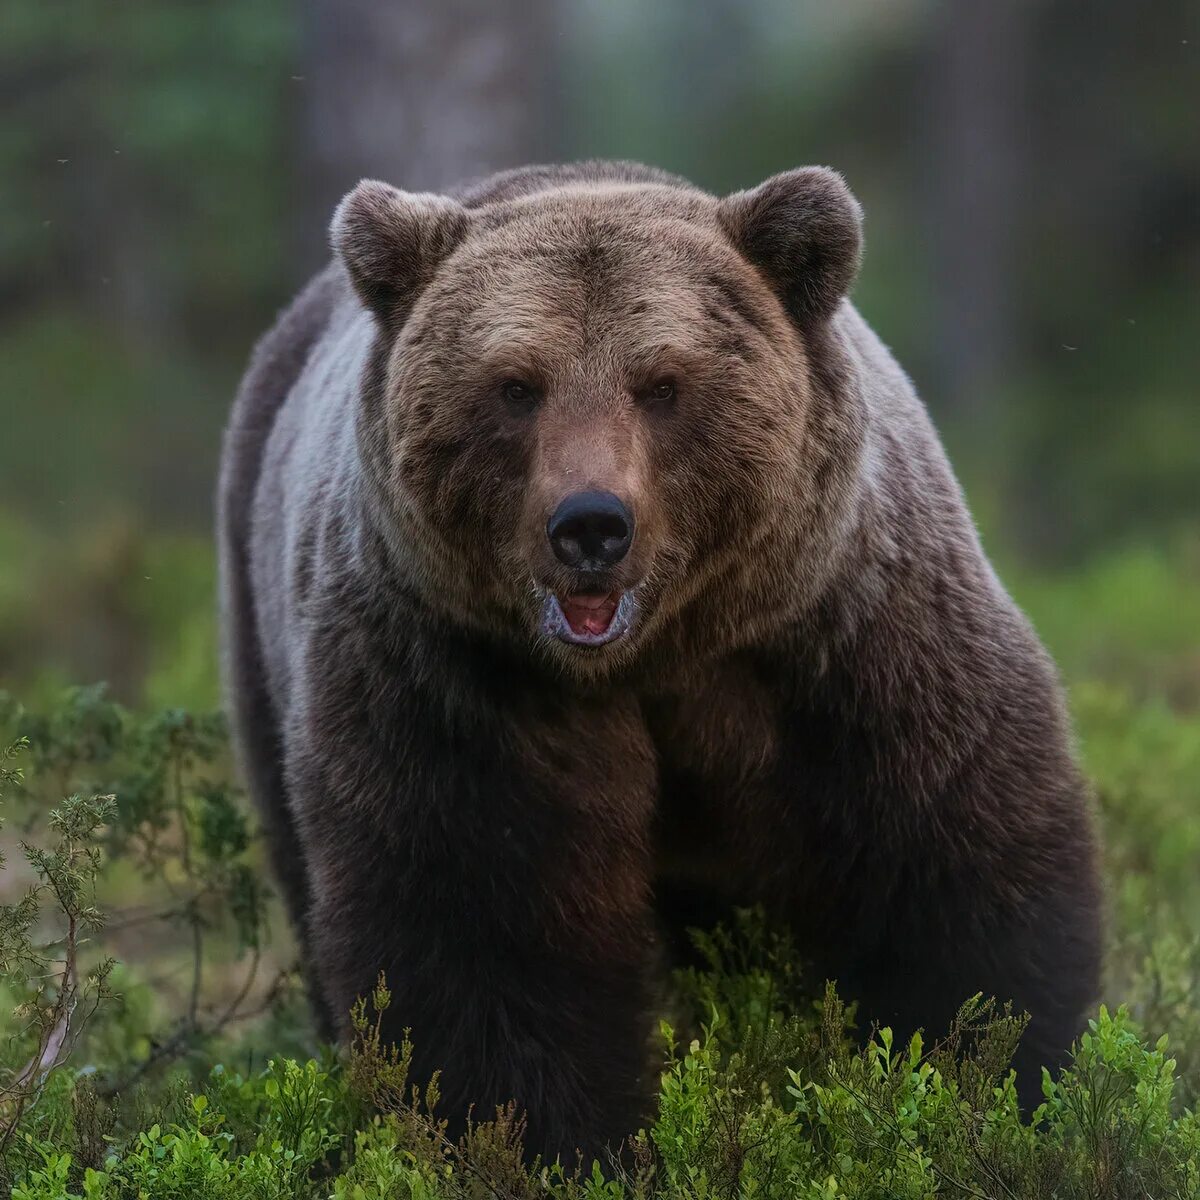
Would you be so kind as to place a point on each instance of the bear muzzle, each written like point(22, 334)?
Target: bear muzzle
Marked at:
point(590, 532)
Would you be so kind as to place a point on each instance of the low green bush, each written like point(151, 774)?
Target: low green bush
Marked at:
point(788, 1109)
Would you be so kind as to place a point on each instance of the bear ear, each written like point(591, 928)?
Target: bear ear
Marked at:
point(804, 230)
point(392, 242)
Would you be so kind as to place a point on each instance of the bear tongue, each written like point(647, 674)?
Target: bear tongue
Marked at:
point(589, 614)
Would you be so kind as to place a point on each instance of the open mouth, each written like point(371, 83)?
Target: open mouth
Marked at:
point(585, 619)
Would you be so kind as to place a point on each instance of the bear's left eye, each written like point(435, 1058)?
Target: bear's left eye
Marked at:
point(661, 392)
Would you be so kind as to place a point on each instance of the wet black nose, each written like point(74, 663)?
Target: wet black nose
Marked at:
point(590, 531)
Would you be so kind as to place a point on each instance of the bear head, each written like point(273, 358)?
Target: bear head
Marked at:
point(604, 414)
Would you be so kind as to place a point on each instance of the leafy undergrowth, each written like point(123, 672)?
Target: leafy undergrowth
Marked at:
point(139, 947)
point(766, 1101)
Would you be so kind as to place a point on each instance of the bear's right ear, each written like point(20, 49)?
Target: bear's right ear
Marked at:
point(392, 241)
point(803, 229)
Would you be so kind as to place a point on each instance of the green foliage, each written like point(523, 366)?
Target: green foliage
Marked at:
point(173, 867)
point(52, 992)
point(885, 1122)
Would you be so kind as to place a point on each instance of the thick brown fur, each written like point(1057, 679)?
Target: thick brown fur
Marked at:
point(827, 704)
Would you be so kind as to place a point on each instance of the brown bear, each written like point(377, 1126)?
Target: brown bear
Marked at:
point(589, 566)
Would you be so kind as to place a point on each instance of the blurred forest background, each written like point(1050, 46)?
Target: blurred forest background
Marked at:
point(1030, 173)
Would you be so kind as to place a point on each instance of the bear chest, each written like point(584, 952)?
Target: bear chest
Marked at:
point(716, 748)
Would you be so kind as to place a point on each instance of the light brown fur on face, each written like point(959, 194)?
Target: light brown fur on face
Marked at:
point(591, 296)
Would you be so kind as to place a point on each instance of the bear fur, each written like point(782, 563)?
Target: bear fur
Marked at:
point(825, 703)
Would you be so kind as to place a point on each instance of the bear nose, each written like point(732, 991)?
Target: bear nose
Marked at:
point(590, 531)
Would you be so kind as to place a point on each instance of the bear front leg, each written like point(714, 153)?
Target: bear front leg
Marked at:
point(492, 860)
point(1030, 941)
point(941, 826)
point(989, 887)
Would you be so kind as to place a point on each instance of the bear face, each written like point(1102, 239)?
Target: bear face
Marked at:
point(589, 405)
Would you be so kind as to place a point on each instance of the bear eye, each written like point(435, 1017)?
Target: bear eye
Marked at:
point(518, 393)
point(662, 391)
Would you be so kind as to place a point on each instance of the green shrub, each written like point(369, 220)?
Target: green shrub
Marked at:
point(886, 1121)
